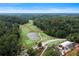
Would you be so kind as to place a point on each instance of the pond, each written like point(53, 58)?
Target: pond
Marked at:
point(33, 36)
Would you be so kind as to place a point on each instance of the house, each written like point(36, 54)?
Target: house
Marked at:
point(65, 47)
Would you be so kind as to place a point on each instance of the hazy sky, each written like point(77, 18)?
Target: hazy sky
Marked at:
point(39, 8)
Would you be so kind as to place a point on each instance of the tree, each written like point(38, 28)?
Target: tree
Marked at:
point(61, 34)
point(39, 44)
point(31, 52)
point(73, 37)
point(58, 26)
point(9, 39)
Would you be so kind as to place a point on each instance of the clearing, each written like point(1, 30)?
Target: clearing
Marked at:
point(32, 35)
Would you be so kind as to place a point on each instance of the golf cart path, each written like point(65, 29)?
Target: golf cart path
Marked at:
point(44, 50)
point(46, 42)
point(49, 41)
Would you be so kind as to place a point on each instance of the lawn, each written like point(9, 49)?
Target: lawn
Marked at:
point(56, 42)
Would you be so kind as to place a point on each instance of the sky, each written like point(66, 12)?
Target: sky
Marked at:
point(39, 7)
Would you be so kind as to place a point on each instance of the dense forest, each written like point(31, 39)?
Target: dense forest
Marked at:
point(9, 35)
point(58, 26)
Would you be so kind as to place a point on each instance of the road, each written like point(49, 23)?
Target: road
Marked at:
point(49, 41)
point(44, 50)
point(46, 42)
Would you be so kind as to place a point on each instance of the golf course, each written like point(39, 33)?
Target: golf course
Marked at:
point(32, 35)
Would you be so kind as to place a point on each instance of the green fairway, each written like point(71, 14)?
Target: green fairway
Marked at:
point(27, 28)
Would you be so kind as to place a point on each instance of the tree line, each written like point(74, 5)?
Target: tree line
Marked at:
point(59, 26)
point(9, 35)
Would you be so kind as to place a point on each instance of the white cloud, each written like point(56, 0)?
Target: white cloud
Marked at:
point(50, 10)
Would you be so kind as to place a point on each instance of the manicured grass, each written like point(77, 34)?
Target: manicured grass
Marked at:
point(51, 51)
point(56, 42)
point(48, 52)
